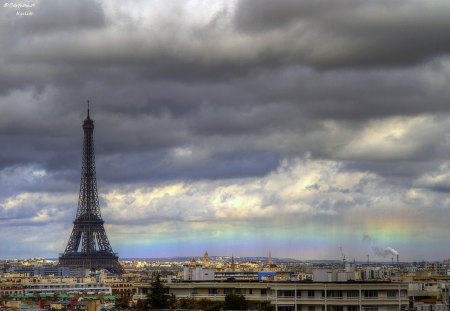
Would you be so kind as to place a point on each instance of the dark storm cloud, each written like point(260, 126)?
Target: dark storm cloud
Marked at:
point(159, 166)
point(354, 95)
point(237, 101)
point(348, 35)
point(295, 113)
point(57, 19)
point(353, 33)
point(266, 15)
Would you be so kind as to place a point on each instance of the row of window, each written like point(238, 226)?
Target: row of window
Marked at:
point(339, 293)
point(357, 308)
point(342, 308)
point(238, 291)
point(367, 294)
point(61, 286)
point(10, 292)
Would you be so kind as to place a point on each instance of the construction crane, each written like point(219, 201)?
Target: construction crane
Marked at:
point(342, 254)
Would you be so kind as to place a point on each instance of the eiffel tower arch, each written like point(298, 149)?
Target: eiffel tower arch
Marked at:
point(88, 246)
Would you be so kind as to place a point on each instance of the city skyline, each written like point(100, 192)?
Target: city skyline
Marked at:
point(310, 129)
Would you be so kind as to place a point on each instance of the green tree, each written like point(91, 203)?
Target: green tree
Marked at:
point(122, 302)
point(235, 302)
point(141, 304)
point(173, 303)
point(187, 303)
point(204, 304)
point(158, 297)
point(269, 307)
point(209, 305)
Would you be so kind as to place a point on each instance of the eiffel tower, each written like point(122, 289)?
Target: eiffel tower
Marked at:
point(88, 246)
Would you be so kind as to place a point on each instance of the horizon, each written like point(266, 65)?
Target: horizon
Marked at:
point(280, 260)
point(311, 129)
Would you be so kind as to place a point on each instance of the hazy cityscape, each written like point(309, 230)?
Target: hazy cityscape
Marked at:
point(288, 155)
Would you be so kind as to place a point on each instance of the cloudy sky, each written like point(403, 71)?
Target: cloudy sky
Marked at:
point(239, 126)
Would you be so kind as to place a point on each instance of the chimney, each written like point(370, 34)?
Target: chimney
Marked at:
point(367, 258)
point(392, 260)
point(397, 260)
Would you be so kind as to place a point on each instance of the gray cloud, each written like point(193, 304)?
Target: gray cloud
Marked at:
point(267, 15)
point(228, 94)
point(59, 16)
point(351, 33)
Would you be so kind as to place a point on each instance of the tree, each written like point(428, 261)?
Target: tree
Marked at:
point(201, 304)
point(122, 302)
point(158, 297)
point(235, 302)
point(187, 303)
point(209, 305)
point(141, 304)
point(173, 303)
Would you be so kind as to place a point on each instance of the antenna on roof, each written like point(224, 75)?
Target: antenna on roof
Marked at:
point(88, 108)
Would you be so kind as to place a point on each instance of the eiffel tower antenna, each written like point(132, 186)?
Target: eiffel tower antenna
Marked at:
point(88, 245)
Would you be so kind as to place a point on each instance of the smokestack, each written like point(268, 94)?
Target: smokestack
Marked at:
point(392, 260)
point(367, 258)
point(397, 260)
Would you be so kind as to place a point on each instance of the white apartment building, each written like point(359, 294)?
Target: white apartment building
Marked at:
point(301, 296)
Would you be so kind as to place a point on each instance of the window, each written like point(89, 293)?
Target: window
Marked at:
point(250, 291)
point(370, 294)
point(263, 291)
point(391, 294)
point(334, 293)
point(352, 294)
point(311, 308)
point(311, 294)
point(353, 308)
point(212, 291)
point(370, 308)
point(286, 293)
point(335, 308)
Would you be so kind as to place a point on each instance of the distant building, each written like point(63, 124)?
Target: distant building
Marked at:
point(197, 273)
point(51, 270)
point(67, 287)
point(206, 260)
point(334, 275)
point(376, 273)
point(437, 268)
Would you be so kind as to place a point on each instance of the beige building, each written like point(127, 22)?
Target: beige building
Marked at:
point(301, 296)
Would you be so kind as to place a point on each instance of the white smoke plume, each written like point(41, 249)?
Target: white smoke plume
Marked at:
point(383, 252)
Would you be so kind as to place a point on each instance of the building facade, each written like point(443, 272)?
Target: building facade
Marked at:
point(300, 296)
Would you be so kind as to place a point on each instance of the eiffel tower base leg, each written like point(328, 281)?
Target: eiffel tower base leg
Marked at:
point(91, 261)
